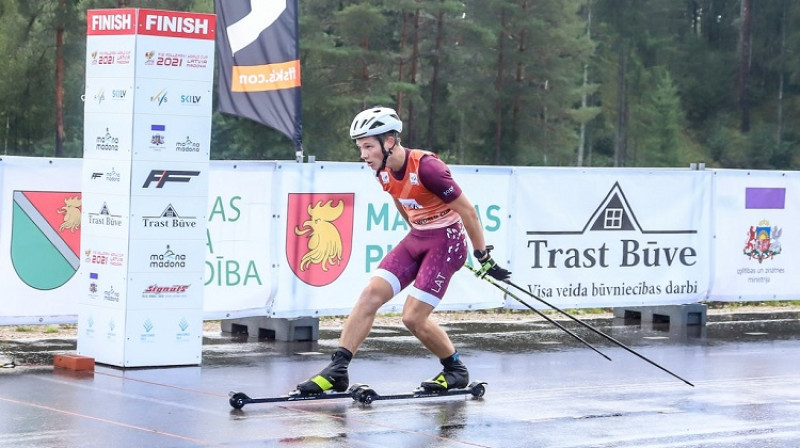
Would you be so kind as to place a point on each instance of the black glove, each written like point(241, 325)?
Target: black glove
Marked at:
point(489, 266)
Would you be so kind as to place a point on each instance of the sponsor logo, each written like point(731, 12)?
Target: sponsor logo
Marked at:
point(155, 290)
point(93, 277)
point(50, 222)
point(169, 218)
point(157, 139)
point(90, 326)
point(183, 335)
point(175, 60)
point(197, 61)
point(110, 295)
point(107, 142)
point(413, 178)
point(160, 177)
point(319, 235)
point(112, 327)
point(617, 240)
point(114, 57)
point(267, 77)
point(105, 218)
point(763, 242)
point(113, 175)
point(148, 336)
point(191, 99)
point(159, 98)
point(100, 96)
point(410, 204)
point(167, 260)
point(103, 257)
point(187, 146)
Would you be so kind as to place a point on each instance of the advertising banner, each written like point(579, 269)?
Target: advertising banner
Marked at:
point(755, 213)
point(259, 63)
point(604, 238)
point(337, 232)
point(241, 248)
point(148, 112)
point(284, 239)
point(39, 238)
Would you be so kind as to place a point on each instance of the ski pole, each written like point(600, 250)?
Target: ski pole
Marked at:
point(620, 344)
point(505, 290)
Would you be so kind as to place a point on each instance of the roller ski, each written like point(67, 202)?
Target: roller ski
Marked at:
point(238, 400)
point(331, 383)
point(452, 380)
point(364, 394)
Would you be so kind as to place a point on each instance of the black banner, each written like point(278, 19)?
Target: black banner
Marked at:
point(259, 65)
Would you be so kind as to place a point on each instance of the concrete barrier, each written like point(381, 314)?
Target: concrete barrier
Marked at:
point(279, 329)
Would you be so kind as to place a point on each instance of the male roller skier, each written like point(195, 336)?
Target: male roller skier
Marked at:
point(439, 214)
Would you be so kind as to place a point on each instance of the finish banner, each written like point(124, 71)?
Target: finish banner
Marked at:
point(259, 63)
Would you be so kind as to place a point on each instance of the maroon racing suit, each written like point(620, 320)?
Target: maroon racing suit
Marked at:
point(436, 246)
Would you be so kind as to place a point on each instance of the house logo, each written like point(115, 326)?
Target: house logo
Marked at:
point(45, 237)
point(618, 240)
point(169, 218)
point(319, 235)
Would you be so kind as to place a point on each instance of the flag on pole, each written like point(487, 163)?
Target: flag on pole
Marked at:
point(259, 63)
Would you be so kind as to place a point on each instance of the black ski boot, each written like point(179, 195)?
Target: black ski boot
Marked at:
point(453, 376)
point(334, 376)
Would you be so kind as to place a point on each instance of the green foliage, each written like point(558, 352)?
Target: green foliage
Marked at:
point(480, 82)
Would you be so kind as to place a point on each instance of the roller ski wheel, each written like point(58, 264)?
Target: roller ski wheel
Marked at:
point(363, 393)
point(477, 389)
point(238, 400)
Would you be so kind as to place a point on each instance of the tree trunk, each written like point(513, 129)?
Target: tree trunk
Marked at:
point(498, 87)
point(520, 74)
point(781, 75)
point(412, 77)
point(60, 79)
point(744, 64)
point(584, 94)
point(621, 144)
point(437, 57)
point(403, 36)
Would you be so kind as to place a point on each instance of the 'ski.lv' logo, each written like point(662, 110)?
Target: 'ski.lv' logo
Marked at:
point(319, 235)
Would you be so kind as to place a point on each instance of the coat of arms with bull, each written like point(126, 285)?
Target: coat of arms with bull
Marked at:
point(763, 241)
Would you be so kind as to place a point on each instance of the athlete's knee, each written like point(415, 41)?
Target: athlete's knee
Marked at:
point(374, 295)
point(414, 322)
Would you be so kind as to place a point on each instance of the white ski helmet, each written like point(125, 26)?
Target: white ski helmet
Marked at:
point(375, 121)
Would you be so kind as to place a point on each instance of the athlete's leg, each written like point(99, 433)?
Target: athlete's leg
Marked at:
point(394, 273)
point(416, 317)
point(359, 322)
point(445, 254)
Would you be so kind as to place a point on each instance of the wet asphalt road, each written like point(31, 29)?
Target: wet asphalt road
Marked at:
point(544, 390)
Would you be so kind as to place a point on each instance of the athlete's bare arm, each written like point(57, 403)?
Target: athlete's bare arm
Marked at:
point(463, 206)
point(401, 210)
